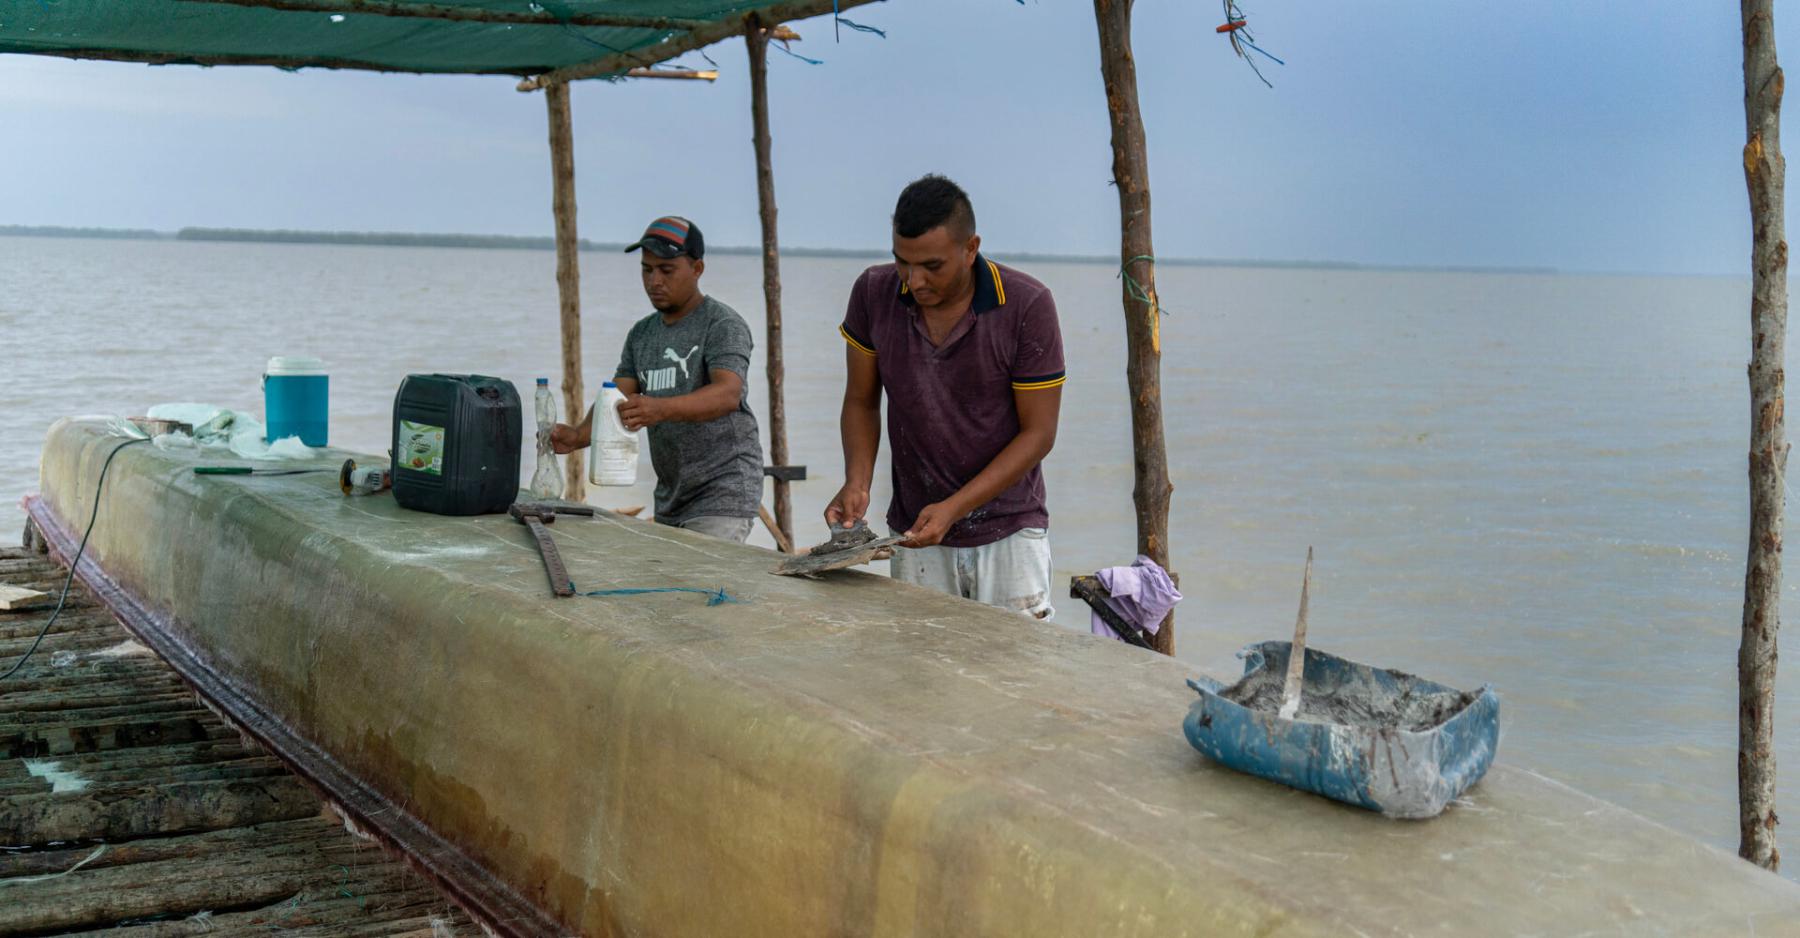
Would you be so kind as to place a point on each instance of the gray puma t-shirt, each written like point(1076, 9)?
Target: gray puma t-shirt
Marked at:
point(711, 468)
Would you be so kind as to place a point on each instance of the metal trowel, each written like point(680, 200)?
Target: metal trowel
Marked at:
point(847, 547)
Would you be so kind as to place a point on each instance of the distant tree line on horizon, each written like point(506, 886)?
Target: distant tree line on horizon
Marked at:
point(410, 239)
point(518, 242)
point(384, 238)
point(61, 231)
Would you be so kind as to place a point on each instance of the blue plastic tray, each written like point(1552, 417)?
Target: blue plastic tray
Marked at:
point(1407, 768)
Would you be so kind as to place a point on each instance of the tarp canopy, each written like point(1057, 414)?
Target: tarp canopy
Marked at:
point(517, 37)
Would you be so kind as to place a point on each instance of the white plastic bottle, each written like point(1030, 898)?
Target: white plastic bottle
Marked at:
point(614, 456)
point(546, 482)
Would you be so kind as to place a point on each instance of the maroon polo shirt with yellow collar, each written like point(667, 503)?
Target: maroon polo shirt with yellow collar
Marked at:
point(950, 407)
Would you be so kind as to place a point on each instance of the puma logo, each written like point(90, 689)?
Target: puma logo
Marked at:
point(681, 360)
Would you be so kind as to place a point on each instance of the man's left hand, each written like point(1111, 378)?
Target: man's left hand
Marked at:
point(639, 411)
point(933, 523)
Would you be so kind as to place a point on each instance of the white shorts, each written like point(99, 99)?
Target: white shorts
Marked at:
point(721, 526)
point(1012, 573)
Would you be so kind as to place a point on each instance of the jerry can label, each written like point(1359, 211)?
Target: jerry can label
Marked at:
point(422, 447)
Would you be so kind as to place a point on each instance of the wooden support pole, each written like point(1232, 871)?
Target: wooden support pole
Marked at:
point(568, 276)
point(1143, 330)
point(758, 42)
point(1765, 175)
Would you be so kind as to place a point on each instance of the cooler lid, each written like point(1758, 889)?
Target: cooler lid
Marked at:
point(294, 365)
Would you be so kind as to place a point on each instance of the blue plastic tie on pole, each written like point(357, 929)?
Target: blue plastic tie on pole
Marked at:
point(863, 29)
point(1259, 49)
point(783, 47)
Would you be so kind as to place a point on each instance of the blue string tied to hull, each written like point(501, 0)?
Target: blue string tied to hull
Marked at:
point(714, 597)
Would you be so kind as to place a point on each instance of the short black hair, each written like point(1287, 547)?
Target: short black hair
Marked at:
point(930, 201)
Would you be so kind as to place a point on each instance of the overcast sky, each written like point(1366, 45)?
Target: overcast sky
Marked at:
point(1581, 136)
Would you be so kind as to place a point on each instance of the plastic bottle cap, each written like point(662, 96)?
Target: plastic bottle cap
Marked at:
point(608, 384)
point(543, 382)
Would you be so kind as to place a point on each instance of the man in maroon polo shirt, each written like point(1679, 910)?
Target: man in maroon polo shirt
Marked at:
point(970, 356)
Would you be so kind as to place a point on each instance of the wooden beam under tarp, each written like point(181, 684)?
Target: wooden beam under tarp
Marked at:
point(691, 74)
point(467, 14)
point(689, 41)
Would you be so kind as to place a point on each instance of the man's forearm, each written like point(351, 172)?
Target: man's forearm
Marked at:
point(860, 426)
point(708, 403)
point(1025, 451)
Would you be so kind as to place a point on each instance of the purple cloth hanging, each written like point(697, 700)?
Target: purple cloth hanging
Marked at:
point(1142, 593)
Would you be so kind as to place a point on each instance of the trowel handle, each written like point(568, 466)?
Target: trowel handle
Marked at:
point(222, 470)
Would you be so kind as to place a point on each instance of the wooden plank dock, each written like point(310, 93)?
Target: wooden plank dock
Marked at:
point(128, 806)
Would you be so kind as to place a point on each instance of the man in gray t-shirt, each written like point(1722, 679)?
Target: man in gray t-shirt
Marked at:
point(683, 371)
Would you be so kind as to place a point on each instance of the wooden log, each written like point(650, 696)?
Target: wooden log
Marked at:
point(252, 767)
point(149, 711)
point(252, 880)
point(757, 40)
point(38, 741)
point(249, 766)
point(25, 628)
point(568, 277)
point(412, 925)
point(1143, 328)
point(276, 836)
point(110, 696)
point(77, 634)
point(151, 758)
point(1765, 176)
point(79, 641)
point(340, 917)
point(93, 673)
point(119, 812)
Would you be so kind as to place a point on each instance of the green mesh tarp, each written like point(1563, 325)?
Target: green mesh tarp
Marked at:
point(335, 34)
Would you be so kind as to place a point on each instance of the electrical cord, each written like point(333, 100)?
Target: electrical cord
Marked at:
point(98, 486)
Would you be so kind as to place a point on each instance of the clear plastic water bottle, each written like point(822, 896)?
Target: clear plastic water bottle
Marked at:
point(547, 481)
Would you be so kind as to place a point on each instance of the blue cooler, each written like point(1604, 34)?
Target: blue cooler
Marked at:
point(296, 399)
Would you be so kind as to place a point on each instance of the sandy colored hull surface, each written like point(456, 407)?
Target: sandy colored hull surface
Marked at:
point(844, 756)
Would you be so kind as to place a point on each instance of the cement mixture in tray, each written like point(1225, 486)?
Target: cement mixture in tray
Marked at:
point(1356, 701)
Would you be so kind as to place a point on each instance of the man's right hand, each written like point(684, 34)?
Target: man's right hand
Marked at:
point(848, 507)
point(566, 439)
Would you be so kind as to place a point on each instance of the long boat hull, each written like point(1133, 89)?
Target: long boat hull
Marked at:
point(846, 756)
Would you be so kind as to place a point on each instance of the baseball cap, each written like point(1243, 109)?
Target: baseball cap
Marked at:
point(672, 236)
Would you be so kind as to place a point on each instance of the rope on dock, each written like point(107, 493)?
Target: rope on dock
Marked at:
point(64, 598)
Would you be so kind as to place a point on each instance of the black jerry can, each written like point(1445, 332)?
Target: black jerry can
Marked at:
point(456, 444)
